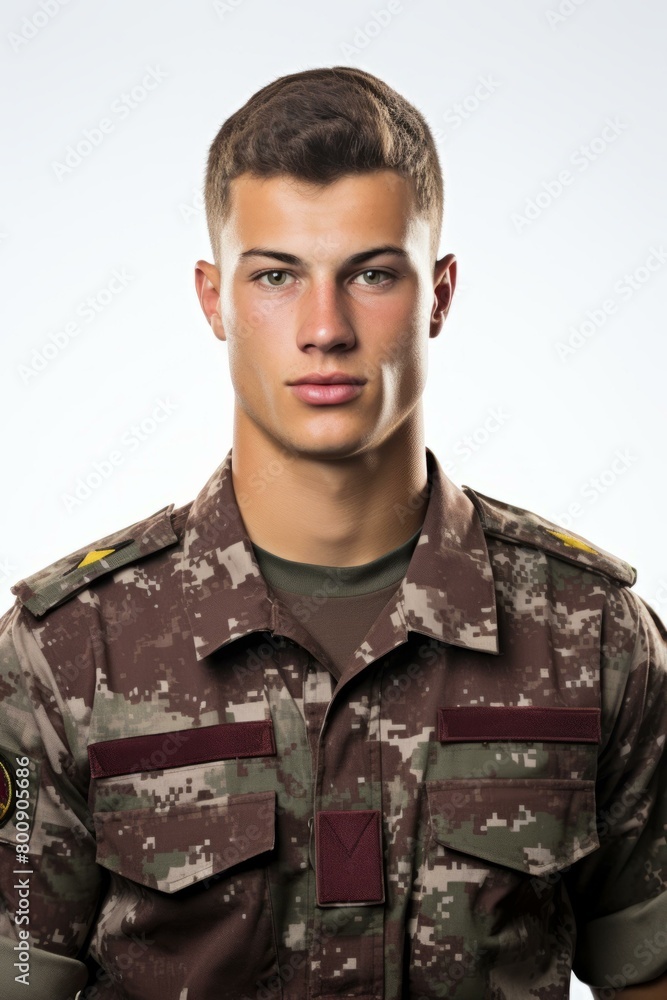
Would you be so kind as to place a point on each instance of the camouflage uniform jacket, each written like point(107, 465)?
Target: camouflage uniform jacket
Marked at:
point(478, 807)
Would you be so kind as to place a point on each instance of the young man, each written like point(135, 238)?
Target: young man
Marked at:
point(337, 727)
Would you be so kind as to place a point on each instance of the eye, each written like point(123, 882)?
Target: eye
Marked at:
point(377, 273)
point(271, 275)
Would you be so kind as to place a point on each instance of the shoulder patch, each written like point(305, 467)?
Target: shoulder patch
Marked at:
point(519, 525)
point(56, 583)
point(7, 791)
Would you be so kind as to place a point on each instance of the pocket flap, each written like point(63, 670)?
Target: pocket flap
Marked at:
point(519, 722)
point(171, 849)
point(536, 825)
point(160, 751)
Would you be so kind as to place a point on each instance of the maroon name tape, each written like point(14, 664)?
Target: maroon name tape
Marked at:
point(483, 722)
point(348, 850)
point(183, 746)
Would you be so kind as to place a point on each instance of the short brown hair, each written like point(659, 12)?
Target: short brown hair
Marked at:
point(317, 126)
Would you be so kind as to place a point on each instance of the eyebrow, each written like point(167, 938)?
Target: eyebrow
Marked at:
point(356, 258)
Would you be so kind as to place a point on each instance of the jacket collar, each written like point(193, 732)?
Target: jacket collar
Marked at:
point(447, 593)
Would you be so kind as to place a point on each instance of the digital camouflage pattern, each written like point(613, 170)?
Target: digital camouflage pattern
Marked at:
point(184, 867)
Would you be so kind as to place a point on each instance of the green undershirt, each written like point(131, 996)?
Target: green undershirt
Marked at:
point(336, 604)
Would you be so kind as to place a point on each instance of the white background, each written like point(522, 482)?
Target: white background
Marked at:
point(512, 90)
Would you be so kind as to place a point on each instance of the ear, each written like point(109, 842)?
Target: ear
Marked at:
point(444, 283)
point(207, 283)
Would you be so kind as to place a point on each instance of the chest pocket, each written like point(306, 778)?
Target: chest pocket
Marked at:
point(534, 825)
point(523, 798)
point(187, 842)
point(168, 808)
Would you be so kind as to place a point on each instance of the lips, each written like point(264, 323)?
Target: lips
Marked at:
point(331, 378)
point(327, 393)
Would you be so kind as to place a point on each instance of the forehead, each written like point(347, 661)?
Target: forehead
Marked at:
point(374, 206)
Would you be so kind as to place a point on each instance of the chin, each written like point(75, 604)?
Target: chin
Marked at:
point(328, 447)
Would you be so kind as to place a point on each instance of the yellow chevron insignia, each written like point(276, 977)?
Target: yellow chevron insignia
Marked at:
point(576, 543)
point(93, 556)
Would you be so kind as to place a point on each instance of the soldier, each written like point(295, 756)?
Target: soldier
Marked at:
point(337, 726)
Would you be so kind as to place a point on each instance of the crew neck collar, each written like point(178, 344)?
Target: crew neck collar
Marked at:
point(336, 581)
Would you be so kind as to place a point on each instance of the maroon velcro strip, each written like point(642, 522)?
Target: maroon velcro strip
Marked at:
point(348, 850)
point(183, 746)
point(519, 722)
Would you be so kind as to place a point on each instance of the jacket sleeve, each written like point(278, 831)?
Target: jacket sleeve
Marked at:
point(49, 881)
point(619, 892)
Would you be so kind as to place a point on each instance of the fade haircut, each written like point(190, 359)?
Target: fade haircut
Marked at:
point(319, 125)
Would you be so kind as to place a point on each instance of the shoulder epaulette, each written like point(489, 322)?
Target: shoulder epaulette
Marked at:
point(519, 525)
point(56, 583)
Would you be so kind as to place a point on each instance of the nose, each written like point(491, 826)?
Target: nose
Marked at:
point(323, 321)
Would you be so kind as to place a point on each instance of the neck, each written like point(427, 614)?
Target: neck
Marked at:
point(327, 510)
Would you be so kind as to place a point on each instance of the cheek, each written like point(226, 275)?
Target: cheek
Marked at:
point(237, 358)
point(254, 366)
point(406, 364)
point(245, 324)
point(414, 370)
